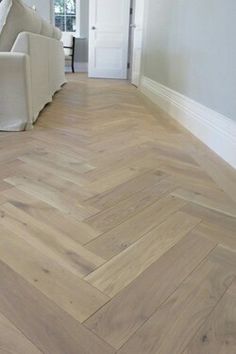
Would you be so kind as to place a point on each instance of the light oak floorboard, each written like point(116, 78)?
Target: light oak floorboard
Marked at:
point(72, 294)
point(71, 254)
point(218, 334)
point(218, 203)
point(127, 311)
point(210, 216)
point(12, 341)
point(218, 234)
point(46, 214)
point(112, 217)
point(123, 191)
point(183, 313)
point(115, 223)
point(114, 275)
point(42, 322)
point(124, 235)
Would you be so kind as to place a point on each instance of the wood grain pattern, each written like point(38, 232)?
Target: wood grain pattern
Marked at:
point(219, 234)
point(114, 275)
point(53, 243)
point(220, 203)
point(123, 191)
point(117, 231)
point(218, 334)
point(46, 214)
point(112, 217)
point(12, 341)
point(124, 235)
point(41, 321)
point(74, 295)
point(183, 313)
point(212, 217)
point(127, 311)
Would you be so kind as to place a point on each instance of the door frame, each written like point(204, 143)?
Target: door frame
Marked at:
point(131, 40)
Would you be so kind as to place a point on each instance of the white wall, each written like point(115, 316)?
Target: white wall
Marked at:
point(191, 48)
point(81, 54)
point(189, 67)
point(43, 8)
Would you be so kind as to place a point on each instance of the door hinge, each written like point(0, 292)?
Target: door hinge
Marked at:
point(128, 65)
point(131, 11)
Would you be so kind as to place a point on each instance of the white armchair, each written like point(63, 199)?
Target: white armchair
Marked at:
point(31, 65)
point(15, 92)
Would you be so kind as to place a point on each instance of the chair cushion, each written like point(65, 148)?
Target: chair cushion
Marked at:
point(57, 34)
point(47, 29)
point(16, 17)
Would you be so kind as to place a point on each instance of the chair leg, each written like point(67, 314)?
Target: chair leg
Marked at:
point(73, 55)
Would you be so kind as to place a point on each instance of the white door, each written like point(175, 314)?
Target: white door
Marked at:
point(137, 38)
point(108, 38)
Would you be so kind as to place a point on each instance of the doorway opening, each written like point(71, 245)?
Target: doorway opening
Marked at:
point(110, 41)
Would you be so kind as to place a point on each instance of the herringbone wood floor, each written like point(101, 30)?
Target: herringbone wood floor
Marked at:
point(117, 231)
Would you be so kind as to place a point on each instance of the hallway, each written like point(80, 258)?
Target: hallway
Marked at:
point(118, 231)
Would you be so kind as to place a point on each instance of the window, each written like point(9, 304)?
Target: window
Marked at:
point(66, 15)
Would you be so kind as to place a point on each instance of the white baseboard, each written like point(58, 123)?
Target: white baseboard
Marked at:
point(79, 67)
point(215, 130)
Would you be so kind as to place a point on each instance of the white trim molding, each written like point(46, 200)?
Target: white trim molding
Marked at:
point(217, 131)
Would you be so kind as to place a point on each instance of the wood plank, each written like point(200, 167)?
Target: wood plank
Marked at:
point(49, 328)
point(12, 340)
point(219, 202)
point(121, 317)
point(69, 169)
point(123, 191)
point(114, 160)
point(43, 212)
point(117, 273)
point(219, 170)
point(185, 174)
point(101, 160)
point(115, 178)
point(210, 216)
point(68, 291)
point(53, 243)
point(49, 194)
point(183, 313)
point(218, 334)
point(226, 256)
point(57, 192)
point(124, 235)
point(218, 234)
point(112, 217)
point(52, 178)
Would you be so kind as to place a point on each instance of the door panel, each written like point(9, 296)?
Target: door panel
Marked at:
point(137, 34)
point(108, 38)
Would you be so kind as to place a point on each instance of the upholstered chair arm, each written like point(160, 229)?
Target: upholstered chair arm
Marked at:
point(15, 92)
point(46, 57)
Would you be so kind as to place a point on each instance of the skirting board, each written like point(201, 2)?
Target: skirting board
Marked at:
point(215, 130)
point(79, 67)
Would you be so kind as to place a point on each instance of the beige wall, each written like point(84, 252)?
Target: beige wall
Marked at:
point(190, 47)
